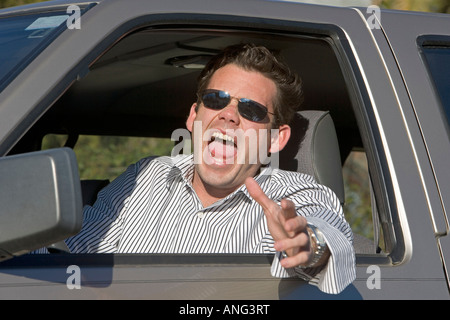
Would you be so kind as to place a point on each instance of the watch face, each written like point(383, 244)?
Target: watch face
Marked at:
point(316, 237)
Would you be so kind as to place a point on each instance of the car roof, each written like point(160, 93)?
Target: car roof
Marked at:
point(43, 5)
point(57, 4)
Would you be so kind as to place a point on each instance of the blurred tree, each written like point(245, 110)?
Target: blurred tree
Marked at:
point(442, 6)
point(358, 206)
point(13, 3)
point(105, 157)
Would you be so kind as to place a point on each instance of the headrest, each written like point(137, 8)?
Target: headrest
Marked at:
point(313, 148)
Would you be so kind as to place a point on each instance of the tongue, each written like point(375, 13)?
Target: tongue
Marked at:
point(222, 151)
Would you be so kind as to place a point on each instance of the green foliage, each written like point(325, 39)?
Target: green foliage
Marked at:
point(105, 157)
point(13, 3)
point(110, 156)
point(442, 6)
point(358, 207)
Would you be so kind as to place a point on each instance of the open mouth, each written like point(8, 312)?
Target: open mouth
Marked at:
point(222, 147)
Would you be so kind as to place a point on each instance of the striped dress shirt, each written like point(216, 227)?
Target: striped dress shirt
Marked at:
point(153, 208)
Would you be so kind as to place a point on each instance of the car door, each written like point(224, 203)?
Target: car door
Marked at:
point(427, 75)
point(379, 103)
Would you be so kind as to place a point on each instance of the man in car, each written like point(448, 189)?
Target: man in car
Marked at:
point(224, 198)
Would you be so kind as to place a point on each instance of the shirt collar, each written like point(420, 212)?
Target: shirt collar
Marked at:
point(183, 167)
point(263, 179)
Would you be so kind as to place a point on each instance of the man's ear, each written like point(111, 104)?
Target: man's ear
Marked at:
point(279, 138)
point(192, 115)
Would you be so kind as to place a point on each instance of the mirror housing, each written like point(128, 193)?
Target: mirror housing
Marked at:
point(41, 202)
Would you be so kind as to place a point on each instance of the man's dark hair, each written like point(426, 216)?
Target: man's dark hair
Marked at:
point(258, 58)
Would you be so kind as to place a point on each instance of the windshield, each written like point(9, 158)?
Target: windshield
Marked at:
point(23, 37)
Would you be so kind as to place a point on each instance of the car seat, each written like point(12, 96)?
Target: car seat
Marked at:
point(313, 148)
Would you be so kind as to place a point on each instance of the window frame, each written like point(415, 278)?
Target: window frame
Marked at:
point(356, 84)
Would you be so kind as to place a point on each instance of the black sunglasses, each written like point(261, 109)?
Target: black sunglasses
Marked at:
point(249, 109)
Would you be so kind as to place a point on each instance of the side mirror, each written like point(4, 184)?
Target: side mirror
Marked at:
point(40, 200)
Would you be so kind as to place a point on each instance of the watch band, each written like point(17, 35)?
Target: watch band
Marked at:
point(316, 236)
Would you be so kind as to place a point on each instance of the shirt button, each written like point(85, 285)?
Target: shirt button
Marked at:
point(200, 214)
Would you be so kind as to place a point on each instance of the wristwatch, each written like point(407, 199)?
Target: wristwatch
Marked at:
point(318, 242)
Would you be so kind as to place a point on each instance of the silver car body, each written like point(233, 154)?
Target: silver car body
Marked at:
point(396, 104)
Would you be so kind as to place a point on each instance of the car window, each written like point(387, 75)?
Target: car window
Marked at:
point(357, 194)
point(106, 157)
point(23, 37)
point(437, 57)
point(142, 88)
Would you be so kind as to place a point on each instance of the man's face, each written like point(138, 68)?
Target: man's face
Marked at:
point(223, 158)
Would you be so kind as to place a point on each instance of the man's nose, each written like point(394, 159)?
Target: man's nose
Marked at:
point(231, 112)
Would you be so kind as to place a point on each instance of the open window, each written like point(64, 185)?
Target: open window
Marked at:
point(140, 91)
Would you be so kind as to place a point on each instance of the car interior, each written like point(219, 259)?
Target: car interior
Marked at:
point(144, 85)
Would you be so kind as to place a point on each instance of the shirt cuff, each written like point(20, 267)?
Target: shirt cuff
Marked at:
point(340, 270)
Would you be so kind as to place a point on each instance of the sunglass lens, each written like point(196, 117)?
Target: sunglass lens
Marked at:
point(215, 99)
point(249, 109)
point(252, 111)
